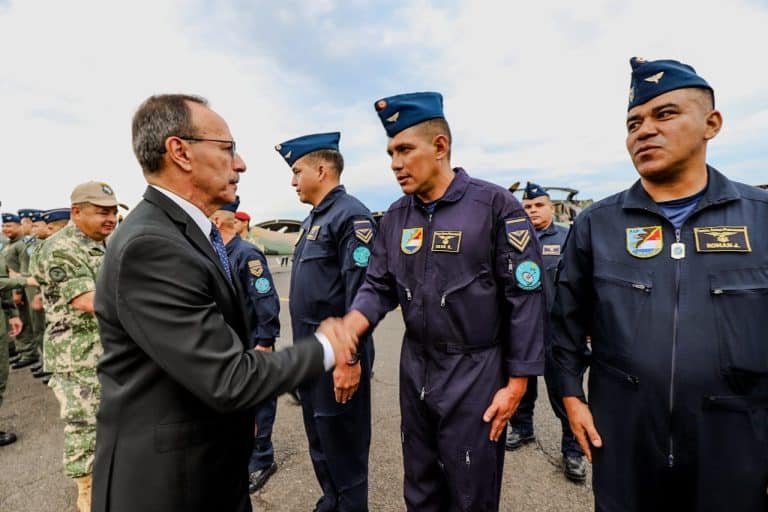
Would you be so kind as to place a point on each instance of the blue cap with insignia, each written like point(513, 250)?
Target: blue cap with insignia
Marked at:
point(30, 213)
point(56, 214)
point(532, 191)
point(405, 110)
point(292, 150)
point(232, 207)
point(11, 217)
point(655, 77)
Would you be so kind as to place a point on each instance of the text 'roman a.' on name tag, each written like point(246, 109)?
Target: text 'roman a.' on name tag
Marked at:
point(722, 239)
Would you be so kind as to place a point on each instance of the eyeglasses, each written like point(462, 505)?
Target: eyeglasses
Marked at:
point(231, 148)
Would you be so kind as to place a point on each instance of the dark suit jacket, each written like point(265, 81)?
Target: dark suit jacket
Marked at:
point(175, 424)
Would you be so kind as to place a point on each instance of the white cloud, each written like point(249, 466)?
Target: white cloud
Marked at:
point(534, 88)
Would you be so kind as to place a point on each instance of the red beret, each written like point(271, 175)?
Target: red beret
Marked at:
point(242, 216)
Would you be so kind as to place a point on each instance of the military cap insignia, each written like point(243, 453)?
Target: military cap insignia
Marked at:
point(278, 147)
point(645, 242)
point(411, 240)
point(361, 255)
point(107, 189)
point(288, 155)
point(528, 275)
point(394, 117)
point(518, 238)
point(313, 232)
point(381, 105)
point(631, 94)
point(655, 78)
point(256, 268)
point(363, 230)
point(446, 241)
point(722, 239)
point(262, 285)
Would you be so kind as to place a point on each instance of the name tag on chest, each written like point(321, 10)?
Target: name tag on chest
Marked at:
point(551, 250)
point(722, 239)
point(446, 241)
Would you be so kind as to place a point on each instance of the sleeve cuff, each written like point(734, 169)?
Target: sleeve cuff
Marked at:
point(329, 359)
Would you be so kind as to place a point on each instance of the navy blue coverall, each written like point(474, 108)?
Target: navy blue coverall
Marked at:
point(329, 266)
point(468, 280)
point(250, 267)
point(552, 241)
point(678, 381)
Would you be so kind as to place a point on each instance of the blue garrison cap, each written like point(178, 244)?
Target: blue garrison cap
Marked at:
point(56, 214)
point(232, 207)
point(655, 77)
point(292, 150)
point(11, 217)
point(405, 110)
point(30, 213)
point(532, 191)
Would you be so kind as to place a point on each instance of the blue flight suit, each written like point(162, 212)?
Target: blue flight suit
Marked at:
point(329, 265)
point(552, 241)
point(467, 277)
point(250, 267)
point(678, 381)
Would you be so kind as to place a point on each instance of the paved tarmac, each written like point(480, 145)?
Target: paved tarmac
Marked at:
point(32, 479)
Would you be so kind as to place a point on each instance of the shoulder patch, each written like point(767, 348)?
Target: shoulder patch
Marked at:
point(57, 274)
point(256, 268)
point(363, 230)
point(528, 275)
point(361, 255)
point(262, 285)
point(518, 234)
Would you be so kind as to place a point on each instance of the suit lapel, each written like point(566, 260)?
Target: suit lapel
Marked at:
point(190, 228)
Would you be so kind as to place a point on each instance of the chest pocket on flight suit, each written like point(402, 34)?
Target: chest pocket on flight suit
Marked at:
point(740, 302)
point(622, 293)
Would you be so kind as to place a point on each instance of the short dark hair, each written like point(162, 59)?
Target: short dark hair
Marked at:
point(159, 117)
point(331, 156)
point(434, 127)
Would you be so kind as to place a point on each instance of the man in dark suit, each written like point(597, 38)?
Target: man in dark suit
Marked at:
point(179, 385)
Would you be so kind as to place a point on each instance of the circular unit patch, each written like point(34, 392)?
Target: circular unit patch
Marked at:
point(262, 285)
point(361, 256)
point(528, 275)
point(57, 274)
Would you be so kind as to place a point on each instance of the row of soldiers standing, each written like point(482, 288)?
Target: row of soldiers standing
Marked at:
point(48, 267)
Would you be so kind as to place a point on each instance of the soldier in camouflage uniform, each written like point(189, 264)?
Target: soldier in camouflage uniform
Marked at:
point(18, 229)
point(67, 266)
point(9, 321)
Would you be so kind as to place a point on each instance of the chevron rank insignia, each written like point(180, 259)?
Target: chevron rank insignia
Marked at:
point(363, 230)
point(256, 268)
point(518, 234)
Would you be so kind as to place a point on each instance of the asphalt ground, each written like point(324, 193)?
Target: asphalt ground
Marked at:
point(32, 478)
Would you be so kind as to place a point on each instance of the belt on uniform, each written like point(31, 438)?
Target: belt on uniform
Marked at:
point(461, 348)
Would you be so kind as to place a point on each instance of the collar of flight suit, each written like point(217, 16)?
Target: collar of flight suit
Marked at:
point(719, 190)
point(455, 190)
point(329, 199)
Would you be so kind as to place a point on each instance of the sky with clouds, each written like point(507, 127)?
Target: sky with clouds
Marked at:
point(533, 91)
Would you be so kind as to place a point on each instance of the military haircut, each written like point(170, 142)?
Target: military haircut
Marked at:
point(431, 128)
point(705, 98)
point(159, 117)
point(330, 156)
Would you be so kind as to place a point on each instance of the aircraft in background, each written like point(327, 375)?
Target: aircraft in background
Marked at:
point(275, 237)
point(567, 207)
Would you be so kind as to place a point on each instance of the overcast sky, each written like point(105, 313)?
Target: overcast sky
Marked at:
point(533, 90)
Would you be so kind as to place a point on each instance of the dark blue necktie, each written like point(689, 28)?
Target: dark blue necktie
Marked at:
point(221, 251)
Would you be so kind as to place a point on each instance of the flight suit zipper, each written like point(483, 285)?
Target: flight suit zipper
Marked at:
point(675, 314)
point(424, 302)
